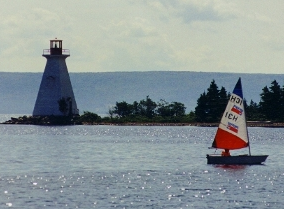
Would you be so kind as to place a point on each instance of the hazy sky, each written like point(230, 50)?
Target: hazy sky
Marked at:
point(244, 36)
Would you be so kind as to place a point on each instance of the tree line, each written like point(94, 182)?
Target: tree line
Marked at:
point(147, 110)
point(209, 109)
point(210, 105)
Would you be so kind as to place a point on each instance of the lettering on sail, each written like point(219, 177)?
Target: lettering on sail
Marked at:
point(231, 116)
point(235, 109)
point(236, 100)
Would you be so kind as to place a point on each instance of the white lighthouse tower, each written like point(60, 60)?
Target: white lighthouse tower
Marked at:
point(55, 85)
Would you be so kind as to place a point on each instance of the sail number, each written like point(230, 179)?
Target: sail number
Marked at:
point(236, 100)
point(231, 116)
point(235, 110)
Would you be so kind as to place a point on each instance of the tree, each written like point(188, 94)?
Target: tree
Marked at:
point(147, 107)
point(177, 109)
point(163, 109)
point(122, 109)
point(174, 109)
point(89, 117)
point(201, 108)
point(135, 108)
point(252, 111)
point(148, 111)
point(63, 106)
point(223, 100)
point(271, 102)
point(212, 104)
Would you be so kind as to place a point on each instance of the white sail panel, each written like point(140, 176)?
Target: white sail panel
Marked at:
point(233, 120)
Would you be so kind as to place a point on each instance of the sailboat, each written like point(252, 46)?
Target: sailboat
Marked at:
point(232, 134)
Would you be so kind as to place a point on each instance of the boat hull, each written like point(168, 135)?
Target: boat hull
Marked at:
point(236, 160)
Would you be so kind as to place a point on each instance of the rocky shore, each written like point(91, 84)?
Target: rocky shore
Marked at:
point(43, 120)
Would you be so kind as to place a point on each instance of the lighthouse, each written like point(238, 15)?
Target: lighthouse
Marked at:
point(55, 95)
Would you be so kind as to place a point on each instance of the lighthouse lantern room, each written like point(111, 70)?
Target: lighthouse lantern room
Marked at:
point(55, 47)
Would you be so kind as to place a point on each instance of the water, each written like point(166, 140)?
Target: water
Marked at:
point(133, 167)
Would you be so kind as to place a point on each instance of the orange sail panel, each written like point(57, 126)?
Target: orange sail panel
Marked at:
point(225, 140)
point(232, 131)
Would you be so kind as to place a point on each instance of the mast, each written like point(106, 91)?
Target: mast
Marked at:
point(247, 136)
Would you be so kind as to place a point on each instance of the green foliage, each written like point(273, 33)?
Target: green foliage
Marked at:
point(253, 112)
point(122, 109)
point(63, 105)
point(147, 108)
point(89, 118)
point(201, 108)
point(210, 105)
point(147, 111)
point(189, 118)
point(174, 109)
point(271, 102)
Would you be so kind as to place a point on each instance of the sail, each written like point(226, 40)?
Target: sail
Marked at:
point(232, 131)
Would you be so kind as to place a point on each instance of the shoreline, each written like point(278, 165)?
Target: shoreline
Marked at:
point(264, 125)
point(249, 124)
point(59, 121)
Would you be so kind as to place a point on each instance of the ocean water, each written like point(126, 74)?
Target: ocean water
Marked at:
point(133, 167)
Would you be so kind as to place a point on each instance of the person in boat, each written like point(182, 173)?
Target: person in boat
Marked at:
point(226, 153)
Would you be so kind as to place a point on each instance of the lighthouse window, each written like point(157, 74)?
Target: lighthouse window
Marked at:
point(55, 44)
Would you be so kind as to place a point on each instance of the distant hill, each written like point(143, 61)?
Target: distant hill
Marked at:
point(96, 92)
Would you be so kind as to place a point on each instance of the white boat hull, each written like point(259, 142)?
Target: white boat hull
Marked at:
point(236, 160)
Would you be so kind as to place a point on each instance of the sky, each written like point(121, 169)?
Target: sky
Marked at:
point(241, 36)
